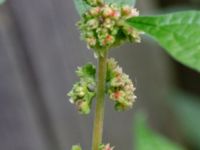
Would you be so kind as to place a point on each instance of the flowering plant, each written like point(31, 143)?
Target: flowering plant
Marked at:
point(106, 24)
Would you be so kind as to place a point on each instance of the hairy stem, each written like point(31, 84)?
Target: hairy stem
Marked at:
point(99, 111)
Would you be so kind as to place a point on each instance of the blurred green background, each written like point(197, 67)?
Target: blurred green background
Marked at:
point(40, 49)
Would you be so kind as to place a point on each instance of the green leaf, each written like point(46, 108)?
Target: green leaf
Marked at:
point(146, 139)
point(122, 2)
point(187, 111)
point(87, 71)
point(178, 33)
point(81, 6)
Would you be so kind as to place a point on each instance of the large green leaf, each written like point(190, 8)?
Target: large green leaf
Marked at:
point(178, 33)
point(82, 6)
point(146, 139)
point(187, 110)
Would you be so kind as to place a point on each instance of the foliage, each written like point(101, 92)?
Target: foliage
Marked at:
point(147, 139)
point(178, 33)
point(186, 109)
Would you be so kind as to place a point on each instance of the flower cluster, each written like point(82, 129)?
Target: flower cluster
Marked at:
point(103, 26)
point(120, 87)
point(105, 147)
point(83, 91)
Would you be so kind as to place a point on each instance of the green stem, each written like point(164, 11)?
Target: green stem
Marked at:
point(99, 111)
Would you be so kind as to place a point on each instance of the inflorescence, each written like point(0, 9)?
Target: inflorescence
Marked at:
point(103, 25)
point(119, 87)
point(83, 91)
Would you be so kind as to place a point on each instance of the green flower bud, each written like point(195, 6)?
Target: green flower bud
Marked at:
point(117, 82)
point(94, 11)
point(108, 23)
point(114, 31)
point(91, 41)
point(92, 24)
point(89, 34)
point(80, 91)
point(107, 11)
point(126, 10)
point(102, 33)
point(83, 107)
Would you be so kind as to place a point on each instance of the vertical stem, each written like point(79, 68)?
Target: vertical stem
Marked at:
point(99, 111)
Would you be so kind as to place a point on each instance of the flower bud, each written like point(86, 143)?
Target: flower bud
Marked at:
point(83, 107)
point(81, 94)
point(110, 39)
point(126, 10)
point(107, 11)
point(102, 33)
point(108, 23)
point(92, 24)
point(89, 34)
point(117, 82)
point(79, 89)
point(91, 41)
point(116, 14)
point(114, 31)
point(94, 11)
